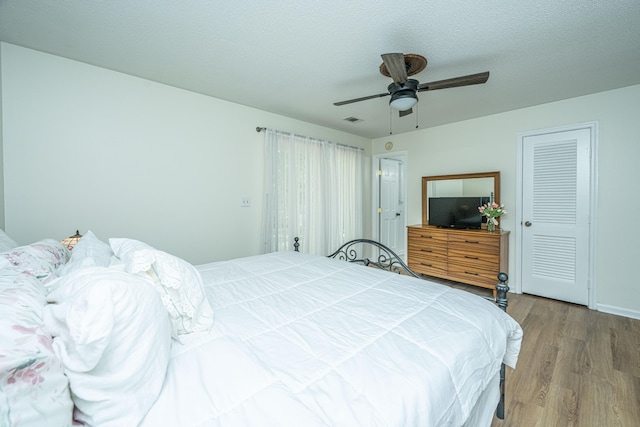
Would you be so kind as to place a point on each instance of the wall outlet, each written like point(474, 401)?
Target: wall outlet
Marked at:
point(245, 202)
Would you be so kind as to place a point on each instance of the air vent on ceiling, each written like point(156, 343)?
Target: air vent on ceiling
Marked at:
point(352, 119)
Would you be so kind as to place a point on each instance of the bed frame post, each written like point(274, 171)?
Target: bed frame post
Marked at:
point(502, 302)
point(502, 289)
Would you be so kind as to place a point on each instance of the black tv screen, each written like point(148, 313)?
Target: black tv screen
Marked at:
point(456, 212)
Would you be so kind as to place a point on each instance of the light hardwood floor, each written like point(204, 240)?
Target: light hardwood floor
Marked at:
point(577, 367)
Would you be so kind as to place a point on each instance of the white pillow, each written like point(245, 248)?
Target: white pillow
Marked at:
point(88, 252)
point(113, 336)
point(178, 283)
point(6, 242)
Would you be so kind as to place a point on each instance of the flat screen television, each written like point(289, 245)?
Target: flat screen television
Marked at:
point(456, 212)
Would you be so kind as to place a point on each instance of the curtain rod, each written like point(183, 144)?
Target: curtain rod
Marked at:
point(260, 129)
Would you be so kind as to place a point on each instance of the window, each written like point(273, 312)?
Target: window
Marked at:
point(313, 190)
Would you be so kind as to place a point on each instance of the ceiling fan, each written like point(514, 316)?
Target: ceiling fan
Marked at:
point(403, 90)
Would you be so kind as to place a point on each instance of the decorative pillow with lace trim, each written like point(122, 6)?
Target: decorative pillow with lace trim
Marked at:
point(178, 283)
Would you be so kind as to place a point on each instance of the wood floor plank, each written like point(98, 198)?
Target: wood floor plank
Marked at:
point(627, 403)
point(534, 380)
point(625, 350)
point(597, 402)
point(561, 407)
point(577, 321)
point(598, 343)
point(572, 363)
point(520, 414)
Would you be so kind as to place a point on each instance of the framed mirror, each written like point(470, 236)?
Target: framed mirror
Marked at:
point(481, 184)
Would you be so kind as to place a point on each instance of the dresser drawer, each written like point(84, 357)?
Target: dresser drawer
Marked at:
point(429, 250)
point(474, 243)
point(486, 277)
point(425, 236)
point(474, 251)
point(427, 245)
point(431, 267)
point(477, 257)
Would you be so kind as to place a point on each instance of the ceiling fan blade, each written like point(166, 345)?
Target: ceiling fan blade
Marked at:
point(406, 112)
point(396, 66)
point(364, 98)
point(471, 79)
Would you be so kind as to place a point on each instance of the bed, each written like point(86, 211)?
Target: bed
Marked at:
point(118, 333)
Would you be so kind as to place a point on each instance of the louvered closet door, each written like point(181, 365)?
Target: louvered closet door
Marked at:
point(555, 248)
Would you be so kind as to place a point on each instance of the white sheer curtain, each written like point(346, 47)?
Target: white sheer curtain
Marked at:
point(313, 190)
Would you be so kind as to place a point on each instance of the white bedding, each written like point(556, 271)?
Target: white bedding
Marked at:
point(302, 340)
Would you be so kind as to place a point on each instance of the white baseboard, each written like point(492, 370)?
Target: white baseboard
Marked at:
point(634, 314)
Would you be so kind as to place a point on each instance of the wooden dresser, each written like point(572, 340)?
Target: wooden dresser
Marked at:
point(474, 257)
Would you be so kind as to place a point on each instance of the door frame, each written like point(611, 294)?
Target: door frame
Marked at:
point(403, 156)
point(593, 194)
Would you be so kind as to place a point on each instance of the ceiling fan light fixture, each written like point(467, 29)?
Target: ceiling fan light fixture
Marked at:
point(403, 100)
point(403, 95)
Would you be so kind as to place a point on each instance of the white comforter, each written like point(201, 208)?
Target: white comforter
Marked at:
point(301, 340)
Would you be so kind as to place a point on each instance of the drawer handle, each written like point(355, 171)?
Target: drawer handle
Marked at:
point(469, 241)
point(471, 273)
point(426, 265)
point(426, 237)
point(426, 250)
point(471, 257)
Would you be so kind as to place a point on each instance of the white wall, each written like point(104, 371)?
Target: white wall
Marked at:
point(88, 148)
point(489, 144)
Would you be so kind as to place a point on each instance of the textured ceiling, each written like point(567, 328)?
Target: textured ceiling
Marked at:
point(296, 58)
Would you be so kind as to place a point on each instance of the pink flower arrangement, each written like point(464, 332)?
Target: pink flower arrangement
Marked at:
point(492, 211)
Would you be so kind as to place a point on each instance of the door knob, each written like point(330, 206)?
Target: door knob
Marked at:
point(527, 224)
point(398, 214)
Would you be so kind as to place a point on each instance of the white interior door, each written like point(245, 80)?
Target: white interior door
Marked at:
point(556, 176)
point(391, 205)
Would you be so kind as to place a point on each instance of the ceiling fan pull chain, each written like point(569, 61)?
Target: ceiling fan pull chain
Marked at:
point(390, 121)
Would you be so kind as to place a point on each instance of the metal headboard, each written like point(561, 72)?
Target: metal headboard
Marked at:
point(386, 258)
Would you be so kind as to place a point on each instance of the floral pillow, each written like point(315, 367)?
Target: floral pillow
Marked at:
point(39, 259)
point(33, 386)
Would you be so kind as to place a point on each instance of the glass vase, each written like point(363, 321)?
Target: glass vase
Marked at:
point(491, 226)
